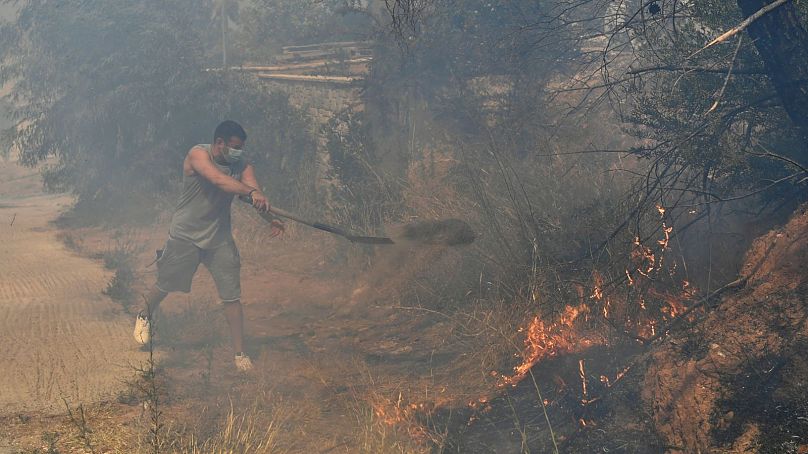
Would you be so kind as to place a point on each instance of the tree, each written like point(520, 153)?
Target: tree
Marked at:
point(224, 12)
point(781, 39)
point(117, 91)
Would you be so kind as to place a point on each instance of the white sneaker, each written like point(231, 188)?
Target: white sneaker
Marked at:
point(142, 329)
point(243, 362)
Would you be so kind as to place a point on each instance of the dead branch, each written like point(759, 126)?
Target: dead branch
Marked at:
point(743, 25)
point(696, 69)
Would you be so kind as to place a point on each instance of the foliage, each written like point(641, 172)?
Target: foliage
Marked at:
point(117, 92)
point(705, 130)
point(365, 196)
point(451, 42)
point(713, 114)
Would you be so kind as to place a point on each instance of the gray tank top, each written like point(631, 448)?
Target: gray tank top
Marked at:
point(202, 215)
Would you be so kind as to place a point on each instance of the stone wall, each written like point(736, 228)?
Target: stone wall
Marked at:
point(322, 99)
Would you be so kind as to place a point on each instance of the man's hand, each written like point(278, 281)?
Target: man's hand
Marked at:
point(259, 201)
point(278, 228)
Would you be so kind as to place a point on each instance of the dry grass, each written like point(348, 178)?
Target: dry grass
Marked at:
point(111, 428)
point(377, 436)
point(256, 431)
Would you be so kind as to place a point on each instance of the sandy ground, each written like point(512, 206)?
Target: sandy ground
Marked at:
point(61, 338)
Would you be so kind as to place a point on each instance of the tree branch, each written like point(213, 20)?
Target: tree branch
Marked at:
point(743, 25)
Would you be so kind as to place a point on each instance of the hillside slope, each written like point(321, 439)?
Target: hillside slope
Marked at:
point(738, 380)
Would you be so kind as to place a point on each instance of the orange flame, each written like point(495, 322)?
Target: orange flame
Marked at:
point(597, 290)
point(403, 415)
point(582, 373)
point(548, 340)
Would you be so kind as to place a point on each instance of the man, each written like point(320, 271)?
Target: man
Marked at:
point(200, 231)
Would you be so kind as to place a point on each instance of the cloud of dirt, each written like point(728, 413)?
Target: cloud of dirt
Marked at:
point(450, 232)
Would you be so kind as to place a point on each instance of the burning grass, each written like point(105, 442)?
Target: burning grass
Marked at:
point(543, 340)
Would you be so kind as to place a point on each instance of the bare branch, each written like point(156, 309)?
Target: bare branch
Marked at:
point(696, 69)
point(743, 25)
point(729, 75)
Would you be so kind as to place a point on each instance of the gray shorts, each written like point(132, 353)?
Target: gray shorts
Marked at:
point(180, 260)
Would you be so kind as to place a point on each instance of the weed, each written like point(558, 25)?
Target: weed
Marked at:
point(376, 435)
point(120, 258)
point(78, 419)
point(49, 439)
point(71, 242)
point(119, 288)
point(153, 393)
point(150, 388)
point(127, 396)
point(254, 432)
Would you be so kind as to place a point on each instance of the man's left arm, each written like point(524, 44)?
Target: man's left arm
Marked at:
point(259, 200)
point(248, 178)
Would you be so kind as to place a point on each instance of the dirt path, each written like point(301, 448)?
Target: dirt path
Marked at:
point(60, 337)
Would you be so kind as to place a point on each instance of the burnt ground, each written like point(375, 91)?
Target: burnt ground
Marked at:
point(609, 419)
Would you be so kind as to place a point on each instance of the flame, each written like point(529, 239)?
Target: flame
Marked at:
point(644, 257)
point(402, 414)
point(663, 243)
point(674, 304)
point(597, 290)
point(544, 340)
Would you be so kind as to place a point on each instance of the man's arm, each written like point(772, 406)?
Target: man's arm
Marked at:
point(259, 200)
point(200, 163)
point(248, 176)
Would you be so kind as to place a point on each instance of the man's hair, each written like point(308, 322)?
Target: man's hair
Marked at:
point(228, 129)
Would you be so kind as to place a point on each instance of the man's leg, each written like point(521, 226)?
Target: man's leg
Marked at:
point(152, 301)
point(235, 319)
point(175, 270)
point(224, 265)
point(144, 324)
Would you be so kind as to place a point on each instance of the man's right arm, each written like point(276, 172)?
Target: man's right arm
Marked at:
point(200, 163)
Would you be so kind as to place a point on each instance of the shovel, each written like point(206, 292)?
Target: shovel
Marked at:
point(324, 227)
point(331, 229)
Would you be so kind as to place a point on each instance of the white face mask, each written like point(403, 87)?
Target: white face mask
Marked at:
point(232, 155)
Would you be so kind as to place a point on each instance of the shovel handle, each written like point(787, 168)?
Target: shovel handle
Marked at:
point(316, 225)
point(296, 218)
point(287, 215)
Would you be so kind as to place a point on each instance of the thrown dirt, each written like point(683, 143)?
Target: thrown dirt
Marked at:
point(60, 337)
point(450, 232)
